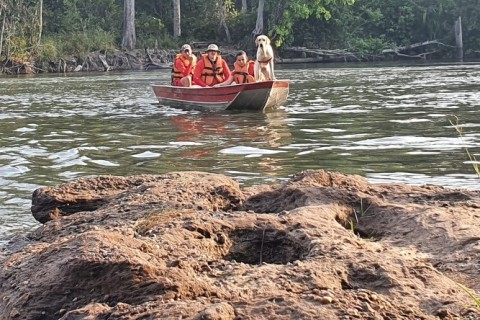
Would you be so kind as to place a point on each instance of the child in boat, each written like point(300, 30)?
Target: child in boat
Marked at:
point(243, 72)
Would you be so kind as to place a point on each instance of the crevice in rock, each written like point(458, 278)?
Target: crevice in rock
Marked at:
point(265, 245)
point(356, 228)
point(361, 212)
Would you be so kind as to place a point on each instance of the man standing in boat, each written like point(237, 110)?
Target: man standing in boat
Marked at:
point(185, 63)
point(211, 69)
point(243, 72)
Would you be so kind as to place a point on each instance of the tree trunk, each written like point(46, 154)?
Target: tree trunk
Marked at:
point(459, 38)
point(1, 34)
point(223, 21)
point(129, 38)
point(259, 26)
point(244, 6)
point(40, 22)
point(177, 30)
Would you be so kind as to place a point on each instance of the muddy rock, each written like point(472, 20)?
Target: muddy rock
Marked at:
point(194, 245)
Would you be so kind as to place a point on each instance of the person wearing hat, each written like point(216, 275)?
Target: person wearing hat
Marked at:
point(183, 67)
point(211, 69)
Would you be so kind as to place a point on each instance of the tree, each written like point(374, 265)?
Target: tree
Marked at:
point(40, 22)
point(129, 39)
point(177, 31)
point(2, 29)
point(88, 16)
point(223, 21)
point(259, 25)
point(283, 14)
point(20, 29)
point(49, 29)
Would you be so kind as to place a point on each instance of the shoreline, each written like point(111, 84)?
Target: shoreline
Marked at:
point(150, 59)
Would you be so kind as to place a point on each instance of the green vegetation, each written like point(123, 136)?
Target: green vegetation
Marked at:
point(352, 224)
point(42, 30)
point(77, 44)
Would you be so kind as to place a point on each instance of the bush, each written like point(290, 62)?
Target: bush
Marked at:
point(368, 46)
point(78, 44)
point(48, 51)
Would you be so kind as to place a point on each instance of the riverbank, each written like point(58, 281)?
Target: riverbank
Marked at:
point(322, 245)
point(148, 59)
point(101, 61)
point(98, 61)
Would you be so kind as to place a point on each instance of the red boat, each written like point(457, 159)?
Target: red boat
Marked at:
point(257, 96)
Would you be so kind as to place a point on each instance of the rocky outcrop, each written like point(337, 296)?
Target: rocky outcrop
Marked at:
point(199, 191)
point(195, 245)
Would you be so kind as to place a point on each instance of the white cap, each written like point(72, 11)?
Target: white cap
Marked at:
point(186, 47)
point(212, 47)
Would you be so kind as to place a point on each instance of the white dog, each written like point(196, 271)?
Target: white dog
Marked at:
point(263, 67)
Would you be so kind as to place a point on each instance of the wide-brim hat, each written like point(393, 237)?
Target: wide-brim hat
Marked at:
point(212, 47)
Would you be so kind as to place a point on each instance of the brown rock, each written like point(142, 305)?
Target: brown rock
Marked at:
point(219, 311)
point(197, 246)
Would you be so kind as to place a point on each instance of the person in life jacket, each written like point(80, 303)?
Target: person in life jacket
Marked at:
point(211, 69)
point(243, 72)
point(183, 67)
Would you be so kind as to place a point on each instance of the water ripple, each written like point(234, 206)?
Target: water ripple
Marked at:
point(387, 123)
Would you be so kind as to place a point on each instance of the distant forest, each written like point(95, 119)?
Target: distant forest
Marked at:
point(45, 30)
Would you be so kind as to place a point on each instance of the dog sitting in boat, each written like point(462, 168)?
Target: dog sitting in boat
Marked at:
point(263, 68)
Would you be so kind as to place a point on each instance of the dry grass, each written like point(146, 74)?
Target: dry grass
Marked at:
point(474, 298)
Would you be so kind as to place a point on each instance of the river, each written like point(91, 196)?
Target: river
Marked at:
point(388, 123)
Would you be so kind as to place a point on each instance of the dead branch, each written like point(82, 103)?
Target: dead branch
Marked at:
point(396, 50)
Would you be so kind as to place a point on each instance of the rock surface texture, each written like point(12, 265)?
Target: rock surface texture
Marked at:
point(194, 245)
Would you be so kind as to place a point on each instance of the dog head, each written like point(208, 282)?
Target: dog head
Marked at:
point(262, 42)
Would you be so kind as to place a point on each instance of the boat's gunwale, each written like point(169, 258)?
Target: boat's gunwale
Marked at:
point(236, 85)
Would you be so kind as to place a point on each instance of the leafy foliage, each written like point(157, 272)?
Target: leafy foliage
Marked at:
point(283, 15)
point(77, 44)
point(20, 31)
point(363, 26)
point(65, 16)
point(368, 46)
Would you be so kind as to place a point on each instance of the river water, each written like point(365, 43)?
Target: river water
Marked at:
point(386, 123)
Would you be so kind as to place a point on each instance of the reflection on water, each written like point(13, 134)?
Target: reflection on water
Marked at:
point(228, 141)
point(387, 123)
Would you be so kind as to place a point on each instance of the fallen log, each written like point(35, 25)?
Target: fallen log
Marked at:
point(299, 60)
point(415, 50)
point(154, 62)
point(316, 55)
point(420, 55)
point(102, 58)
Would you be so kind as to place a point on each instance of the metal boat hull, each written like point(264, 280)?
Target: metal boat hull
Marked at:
point(258, 96)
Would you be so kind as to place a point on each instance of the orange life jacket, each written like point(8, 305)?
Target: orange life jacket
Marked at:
point(241, 75)
point(177, 74)
point(211, 72)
